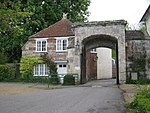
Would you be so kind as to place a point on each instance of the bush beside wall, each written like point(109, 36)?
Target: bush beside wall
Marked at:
point(69, 80)
point(142, 81)
point(7, 73)
point(27, 66)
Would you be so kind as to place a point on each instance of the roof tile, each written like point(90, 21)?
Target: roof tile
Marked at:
point(60, 28)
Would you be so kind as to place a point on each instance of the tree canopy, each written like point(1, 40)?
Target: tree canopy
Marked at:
point(21, 18)
point(11, 29)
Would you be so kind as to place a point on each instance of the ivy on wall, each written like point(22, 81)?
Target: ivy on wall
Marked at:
point(27, 67)
point(27, 64)
point(139, 64)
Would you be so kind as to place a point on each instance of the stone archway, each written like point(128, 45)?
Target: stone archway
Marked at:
point(95, 41)
point(109, 34)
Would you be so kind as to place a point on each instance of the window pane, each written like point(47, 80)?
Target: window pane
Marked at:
point(64, 44)
point(38, 45)
point(60, 65)
point(36, 70)
point(64, 65)
point(41, 69)
point(43, 45)
point(46, 70)
point(58, 44)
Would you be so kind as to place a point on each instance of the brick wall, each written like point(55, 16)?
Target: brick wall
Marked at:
point(29, 49)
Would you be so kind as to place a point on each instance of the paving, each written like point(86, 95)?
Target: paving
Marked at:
point(101, 96)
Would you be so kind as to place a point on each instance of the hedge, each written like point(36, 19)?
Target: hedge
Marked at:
point(7, 73)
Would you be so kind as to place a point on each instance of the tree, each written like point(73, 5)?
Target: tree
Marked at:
point(21, 18)
point(11, 30)
point(47, 12)
point(52, 68)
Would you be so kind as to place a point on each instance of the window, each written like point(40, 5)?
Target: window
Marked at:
point(41, 45)
point(93, 50)
point(62, 66)
point(40, 70)
point(61, 44)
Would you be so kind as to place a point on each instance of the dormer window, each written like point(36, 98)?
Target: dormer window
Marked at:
point(41, 45)
point(61, 45)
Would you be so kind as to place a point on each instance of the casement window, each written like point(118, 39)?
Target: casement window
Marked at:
point(41, 45)
point(61, 45)
point(40, 70)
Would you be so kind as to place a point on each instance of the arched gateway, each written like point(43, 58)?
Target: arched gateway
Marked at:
point(110, 34)
point(69, 46)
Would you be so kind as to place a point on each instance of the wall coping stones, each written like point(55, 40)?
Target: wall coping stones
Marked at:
point(134, 34)
point(99, 23)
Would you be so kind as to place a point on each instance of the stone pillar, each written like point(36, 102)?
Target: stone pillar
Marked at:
point(122, 57)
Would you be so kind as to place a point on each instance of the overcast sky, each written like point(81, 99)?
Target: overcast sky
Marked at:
point(129, 10)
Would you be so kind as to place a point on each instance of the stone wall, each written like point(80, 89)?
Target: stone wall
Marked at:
point(137, 55)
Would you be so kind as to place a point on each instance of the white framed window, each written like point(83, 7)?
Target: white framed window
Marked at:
point(93, 50)
point(40, 70)
point(41, 45)
point(61, 45)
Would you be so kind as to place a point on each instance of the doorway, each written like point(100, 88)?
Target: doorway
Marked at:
point(104, 44)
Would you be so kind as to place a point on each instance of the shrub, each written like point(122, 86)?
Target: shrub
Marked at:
point(141, 103)
point(141, 81)
point(53, 73)
point(54, 79)
point(3, 59)
point(69, 80)
point(7, 73)
point(27, 66)
point(37, 79)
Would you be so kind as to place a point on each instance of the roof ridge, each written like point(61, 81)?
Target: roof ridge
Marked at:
point(59, 22)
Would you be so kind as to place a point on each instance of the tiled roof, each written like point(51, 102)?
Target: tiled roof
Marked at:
point(60, 28)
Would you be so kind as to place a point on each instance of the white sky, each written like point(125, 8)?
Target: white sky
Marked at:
point(129, 10)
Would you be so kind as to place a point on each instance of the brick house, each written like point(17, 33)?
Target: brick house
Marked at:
point(53, 41)
point(58, 43)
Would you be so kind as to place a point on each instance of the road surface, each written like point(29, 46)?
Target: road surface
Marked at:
point(93, 97)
